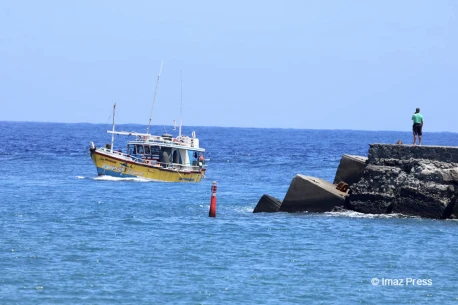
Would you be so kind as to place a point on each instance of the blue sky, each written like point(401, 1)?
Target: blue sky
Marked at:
point(362, 65)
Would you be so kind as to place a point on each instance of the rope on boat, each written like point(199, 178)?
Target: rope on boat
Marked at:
point(179, 173)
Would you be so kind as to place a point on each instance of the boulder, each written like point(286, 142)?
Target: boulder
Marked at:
point(267, 204)
point(312, 194)
point(350, 170)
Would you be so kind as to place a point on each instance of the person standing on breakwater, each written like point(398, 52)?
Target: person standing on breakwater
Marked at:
point(417, 126)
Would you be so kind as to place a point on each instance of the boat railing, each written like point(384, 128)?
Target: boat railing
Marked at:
point(173, 166)
point(179, 141)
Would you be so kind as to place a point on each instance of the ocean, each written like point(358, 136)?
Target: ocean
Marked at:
point(70, 237)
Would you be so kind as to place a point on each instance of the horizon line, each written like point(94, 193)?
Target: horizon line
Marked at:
point(252, 127)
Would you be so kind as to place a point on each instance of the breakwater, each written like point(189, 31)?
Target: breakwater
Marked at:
point(411, 180)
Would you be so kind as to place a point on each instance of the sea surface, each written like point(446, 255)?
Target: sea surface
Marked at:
point(70, 237)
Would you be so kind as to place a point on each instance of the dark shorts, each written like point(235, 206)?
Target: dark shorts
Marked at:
point(417, 129)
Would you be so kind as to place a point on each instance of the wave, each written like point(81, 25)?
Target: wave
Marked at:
point(354, 214)
point(110, 178)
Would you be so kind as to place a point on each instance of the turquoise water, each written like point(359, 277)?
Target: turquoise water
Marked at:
point(70, 237)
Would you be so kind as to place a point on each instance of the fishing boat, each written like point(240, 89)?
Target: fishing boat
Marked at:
point(152, 157)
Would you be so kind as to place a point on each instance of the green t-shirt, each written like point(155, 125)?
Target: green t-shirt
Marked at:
point(417, 118)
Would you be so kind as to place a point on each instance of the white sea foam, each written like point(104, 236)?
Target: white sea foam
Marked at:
point(244, 209)
point(80, 177)
point(354, 214)
point(110, 178)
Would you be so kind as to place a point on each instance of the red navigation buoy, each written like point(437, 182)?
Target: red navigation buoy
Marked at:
point(212, 212)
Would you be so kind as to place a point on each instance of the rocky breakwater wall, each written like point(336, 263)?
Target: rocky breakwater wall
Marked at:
point(405, 179)
point(411, 180)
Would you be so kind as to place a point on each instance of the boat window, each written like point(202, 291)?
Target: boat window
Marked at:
point(175, 157)
point(147, 150)
point(155, 152)
point(139, 149)
point(131, 149)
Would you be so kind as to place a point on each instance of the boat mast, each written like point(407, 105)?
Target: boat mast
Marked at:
point(155, 91)
point(113, 128)
point(181, 104)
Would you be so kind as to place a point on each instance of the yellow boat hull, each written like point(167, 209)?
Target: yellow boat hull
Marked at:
point(118, 167)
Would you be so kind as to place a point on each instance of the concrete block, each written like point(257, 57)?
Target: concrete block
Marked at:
point(312, 194)
point(351, 169)
point(267, 204)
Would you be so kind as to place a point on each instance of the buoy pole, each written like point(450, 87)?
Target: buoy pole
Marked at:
point(212, 212)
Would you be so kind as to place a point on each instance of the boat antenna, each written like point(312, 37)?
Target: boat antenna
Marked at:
point(181, 104)
point(113, 128)
point(155, 91)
